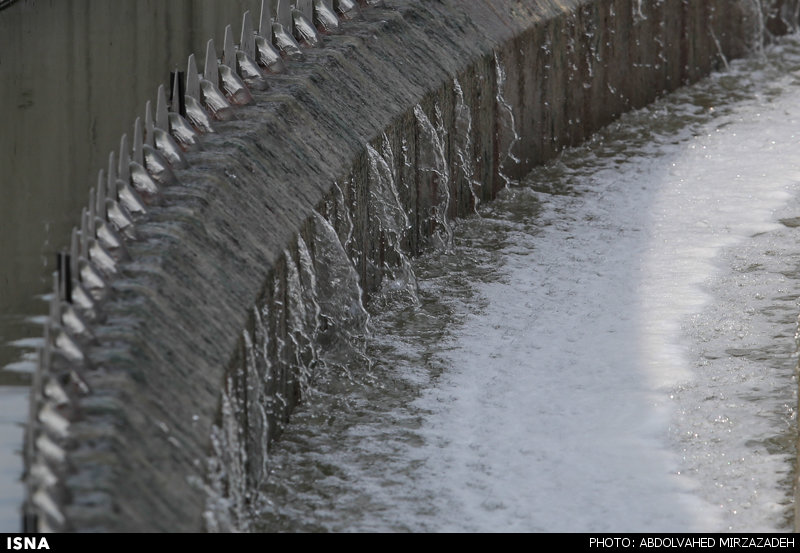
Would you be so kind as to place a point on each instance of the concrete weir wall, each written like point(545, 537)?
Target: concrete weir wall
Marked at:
point(194, 357)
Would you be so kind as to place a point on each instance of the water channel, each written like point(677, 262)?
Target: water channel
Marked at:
point(609, 346)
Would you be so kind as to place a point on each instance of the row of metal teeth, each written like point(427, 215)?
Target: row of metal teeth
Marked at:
point(132, 183)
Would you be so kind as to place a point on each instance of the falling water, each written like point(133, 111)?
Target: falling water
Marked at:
point(303, 315)
point(392, 225)
point(433, 161)
point(464, 150)
point(579, 360)
point(761, 30)
point(343, 209)
point(511, 125)
point(404, 380)
point(227, 491)
point(343, 318)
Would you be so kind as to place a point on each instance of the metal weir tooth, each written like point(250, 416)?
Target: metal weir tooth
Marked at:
point(91, 278)
point(234, 86)
point(68, 347)
point(108, 233)
point(158, 165)
point(247, 42)
point(51, 451)
point(85, 301)
point(182, 131)
point(324, 17)
point(100, 202)
point(144, 183)
point(268, 57)
point(45, 361)
point(120, 218)
point(304, 30)
point(92, 214)
point(101, 259)
point(177, 126)
point(67, 314)
point(149, 126)
point(73, 322)
point(250, 72)
point(97, 252)
point(162, 113)
point(74, 252)
point(215, 101)
point(103, 229)
point(122, 201)
point(192, 79)
point(80, 297)
point(113, 185)
point(161, 140)
point(283, 14)
point(55, 392)
point(54, 519)
point(84, 251)
point(265, 19)
point(79, 383)
point(345, 8)
point(36, 398)
point(211, 96)
point(41, 475)
point(128, 199)
point(88, 242)
point(54, 423)
point(125, 156)
point(283, 29)
point(211, 69)
point(64, 342)
point(195, 112)
point(64, 277)
point(285, 42)
point(110, 239)
point(177, 94)
point(240, 60)
point(228, 49)
point(55, 302)
point(169, 148)
point(112, 175)
point(138, 142)
point(197, 115)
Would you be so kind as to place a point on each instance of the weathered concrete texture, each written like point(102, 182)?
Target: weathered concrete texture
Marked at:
point(170, 366)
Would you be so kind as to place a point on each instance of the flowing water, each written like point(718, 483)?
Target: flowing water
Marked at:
point(609, 346)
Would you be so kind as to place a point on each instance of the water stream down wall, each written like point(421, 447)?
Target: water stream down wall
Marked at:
point(222, 260)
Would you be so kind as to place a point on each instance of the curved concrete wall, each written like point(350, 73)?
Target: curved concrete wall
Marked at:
point(160, 423)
